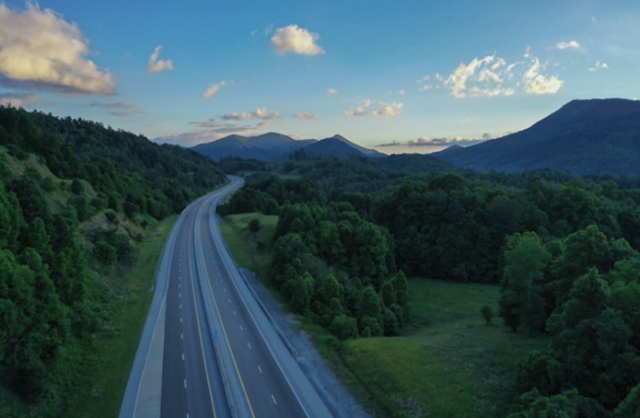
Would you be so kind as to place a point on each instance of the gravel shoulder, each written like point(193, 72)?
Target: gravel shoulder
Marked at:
point(335, 394)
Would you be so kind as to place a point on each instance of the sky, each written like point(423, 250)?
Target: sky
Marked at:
point(393, 75)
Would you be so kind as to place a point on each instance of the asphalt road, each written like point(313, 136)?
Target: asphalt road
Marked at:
point(218, 354)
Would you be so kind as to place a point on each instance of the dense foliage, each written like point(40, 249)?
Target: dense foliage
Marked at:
point(130, 173)
point(57, 232)
point(564, 250)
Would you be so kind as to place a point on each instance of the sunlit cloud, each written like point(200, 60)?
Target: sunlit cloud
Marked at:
point(295, 40)
point(599, 65)
point(119, 109)
point(387, 110)
point(536, 82)
point(568, 45)
point(332, 91)
point(259, 113)
point(156, 65)
point(493, 76)
point(213, 89)
point(40, 50)
point(19, 100)
point(306, 116)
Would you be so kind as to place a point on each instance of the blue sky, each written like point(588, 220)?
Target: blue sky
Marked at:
point(398, 76)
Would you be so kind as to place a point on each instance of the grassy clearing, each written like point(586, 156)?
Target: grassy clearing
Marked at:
point(448, 363)
point(117, 348)
point(250, 251)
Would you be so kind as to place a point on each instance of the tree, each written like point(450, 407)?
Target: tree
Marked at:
point(254, 225)
point(344, 327)
point(521, 286)
point(487, 314)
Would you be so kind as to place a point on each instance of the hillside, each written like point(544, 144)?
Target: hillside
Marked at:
point(599, 136)
point(76, 202)
point(267, 147)
point(273, 147)
point(339, 146)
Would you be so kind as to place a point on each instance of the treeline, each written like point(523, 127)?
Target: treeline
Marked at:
point(130, 173)
point(563, 248)
point(62, 236)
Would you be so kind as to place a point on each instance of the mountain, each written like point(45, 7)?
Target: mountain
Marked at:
point(272, 147)
point(267, 147)
point(595, 136)
point(339, 146)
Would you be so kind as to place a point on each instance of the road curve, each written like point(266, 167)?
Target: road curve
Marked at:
point(207, 349)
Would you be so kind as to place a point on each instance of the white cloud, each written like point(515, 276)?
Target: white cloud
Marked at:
point(600, 65)
point(19, 100)
point(119, 109)
point(383, 109)
point(493, 76)
point(388, 110)
point(40, 50)
point(213, 89)
point(332, 91)
point(295, 40)
point(568, 45)
point(156, 65)
point(260, 113)
point(306, 116)
point(537, 83)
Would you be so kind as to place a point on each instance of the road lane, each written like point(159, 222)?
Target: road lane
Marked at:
point(221, 357)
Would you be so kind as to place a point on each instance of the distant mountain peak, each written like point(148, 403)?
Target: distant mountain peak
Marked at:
point(595, 136)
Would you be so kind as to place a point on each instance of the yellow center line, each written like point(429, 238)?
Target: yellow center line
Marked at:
point(233, 357)
point(204, 360)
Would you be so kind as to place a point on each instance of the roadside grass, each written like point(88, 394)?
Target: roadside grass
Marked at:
point(117, 347)
point(249, 250)
point(448, 362)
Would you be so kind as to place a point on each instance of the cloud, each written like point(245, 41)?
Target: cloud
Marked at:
point(388, 110)
point(213, 89)
point(600, 65)
point(537, 83)
point(568, 45)
point(306, 116)
point(493, 76)
point(19, 100)
point(295, 40)
point(119, 109)
point(382, 109)
point(259, 113)
point(155, 65)
point(332, 91)
point(437, 142)
point(40, 50)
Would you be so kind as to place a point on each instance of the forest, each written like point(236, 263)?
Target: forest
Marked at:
point(563, 249)
point(72, 196)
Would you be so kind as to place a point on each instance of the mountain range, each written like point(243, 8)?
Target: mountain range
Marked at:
point(271, 147)
point(597, 136)
point(594, 136)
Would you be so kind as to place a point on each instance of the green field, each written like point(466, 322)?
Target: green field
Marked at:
point(447, 363)
point(118, 347)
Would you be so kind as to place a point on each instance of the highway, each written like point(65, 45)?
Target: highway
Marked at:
point(208, 350)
